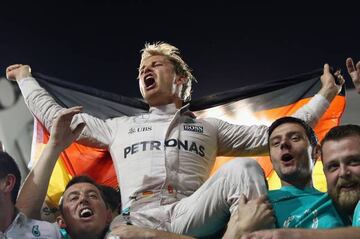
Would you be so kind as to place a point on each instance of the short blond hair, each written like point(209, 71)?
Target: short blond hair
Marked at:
point(173, 54)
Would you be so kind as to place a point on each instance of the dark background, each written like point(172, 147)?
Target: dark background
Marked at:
point(227, 44)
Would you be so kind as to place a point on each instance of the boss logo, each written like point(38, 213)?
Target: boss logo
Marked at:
point(194, 128)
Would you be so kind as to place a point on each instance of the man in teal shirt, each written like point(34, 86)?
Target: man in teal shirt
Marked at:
point(293, 151)
point(341, 158)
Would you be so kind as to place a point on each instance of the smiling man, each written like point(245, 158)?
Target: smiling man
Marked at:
point(341, 158)
point(163, 158)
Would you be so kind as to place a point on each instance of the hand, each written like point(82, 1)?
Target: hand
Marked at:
point(250, 216)
point(18, 72)
point(133, 232)
point(61, 135)
point(276, 234)
point(354, 73)
point(130, 232)
point(329, 88)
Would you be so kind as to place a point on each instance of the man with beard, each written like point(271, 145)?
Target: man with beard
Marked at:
point(341, 158)
point(164, 166)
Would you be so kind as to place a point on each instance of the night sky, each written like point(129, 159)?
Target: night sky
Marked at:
point(227, 45)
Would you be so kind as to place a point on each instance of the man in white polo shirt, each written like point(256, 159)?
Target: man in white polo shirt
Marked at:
point(14, 224)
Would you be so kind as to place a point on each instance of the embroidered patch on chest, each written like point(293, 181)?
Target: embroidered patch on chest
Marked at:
point(139, 129)
point(194, 128)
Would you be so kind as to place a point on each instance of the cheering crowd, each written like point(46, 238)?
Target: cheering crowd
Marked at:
point(164, 171)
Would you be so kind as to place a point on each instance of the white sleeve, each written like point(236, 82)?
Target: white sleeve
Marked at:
point(241, 140)
point(313, 110)
point(97, 133)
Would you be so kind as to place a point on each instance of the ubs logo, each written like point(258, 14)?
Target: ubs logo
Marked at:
point(139, 129)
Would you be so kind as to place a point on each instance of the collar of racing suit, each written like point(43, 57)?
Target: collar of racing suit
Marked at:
point(171, 109)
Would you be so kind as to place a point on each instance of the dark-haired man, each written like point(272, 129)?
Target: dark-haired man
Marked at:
point(13, 223)
point(341, 159)
point(293, 152)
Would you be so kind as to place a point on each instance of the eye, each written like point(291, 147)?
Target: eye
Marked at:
point(275, 143)
point(73, 198)
point(93, 195)
point(332, 167)
point(354, 162)
point(157, 63)
point(295, 138)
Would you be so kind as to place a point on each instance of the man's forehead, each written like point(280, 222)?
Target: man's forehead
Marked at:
point(341, 148)
point(81, 187)
point(287, 128)
point(152, 58)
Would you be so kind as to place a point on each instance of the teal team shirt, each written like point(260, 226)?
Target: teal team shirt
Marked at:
point(307, 208)
point(356, 217)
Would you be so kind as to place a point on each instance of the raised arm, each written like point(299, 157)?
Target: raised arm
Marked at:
point(33, 191)
point(98, 133)
point(354, 72)
point(240, 140)
point(312, 111)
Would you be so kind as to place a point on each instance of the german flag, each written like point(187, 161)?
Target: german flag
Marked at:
point(253, 104)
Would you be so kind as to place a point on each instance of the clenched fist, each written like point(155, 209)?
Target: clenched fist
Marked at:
point(18, 71)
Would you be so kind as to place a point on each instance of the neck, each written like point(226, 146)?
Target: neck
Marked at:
point(84, 236)
point(300, 183)
point(88, 235)
point(7, 216)
point(178, 103)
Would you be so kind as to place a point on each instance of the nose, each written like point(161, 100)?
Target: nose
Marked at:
point(84, 199)
point(284, 144)
point(344, 171)
point(146, 69)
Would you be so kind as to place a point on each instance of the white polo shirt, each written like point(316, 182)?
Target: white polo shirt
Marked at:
point(26, 228)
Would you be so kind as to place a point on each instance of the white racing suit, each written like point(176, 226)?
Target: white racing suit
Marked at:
point(163, 159)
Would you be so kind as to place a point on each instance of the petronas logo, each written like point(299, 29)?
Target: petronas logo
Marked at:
point(35, 231)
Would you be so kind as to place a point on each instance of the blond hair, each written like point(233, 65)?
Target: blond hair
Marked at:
point(173, 54)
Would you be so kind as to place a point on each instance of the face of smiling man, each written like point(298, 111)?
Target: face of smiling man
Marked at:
point(159, 84)
point(341, 159)
point(84, 213)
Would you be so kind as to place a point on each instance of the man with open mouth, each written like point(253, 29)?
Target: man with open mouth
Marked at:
point(340, 154)
point(294, 150)
point(163, 158)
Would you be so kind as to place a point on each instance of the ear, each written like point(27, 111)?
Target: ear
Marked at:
point(109, 216)
point(181, 80)
point(60, 221)
point(9, 183)
point(316, 153)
